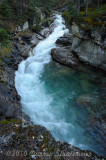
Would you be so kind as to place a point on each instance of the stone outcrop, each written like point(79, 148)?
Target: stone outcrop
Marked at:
point(64, 56)
point(89, 45)
point(66, 40)
point(22, 28)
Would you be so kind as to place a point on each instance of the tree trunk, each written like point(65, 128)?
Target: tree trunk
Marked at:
point(87, 1)
point(78, 5)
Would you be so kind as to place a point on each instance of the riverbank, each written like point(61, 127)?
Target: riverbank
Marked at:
point(17, 135)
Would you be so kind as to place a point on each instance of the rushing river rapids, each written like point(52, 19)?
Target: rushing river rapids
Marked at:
point(48, 92)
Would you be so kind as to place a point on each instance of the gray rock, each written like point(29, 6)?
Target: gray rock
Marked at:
point(6, 140)
point(8, 109)
point(45, 32)
point(39, 37)
point(88, 45)
point(83, 100)
point(64, 56)
point(66, 41)
point(27, 36)
point(22, 27)
point(26, 52)
point(89, 52)
point(88, 101)
point(68, 35)
point(34, 40)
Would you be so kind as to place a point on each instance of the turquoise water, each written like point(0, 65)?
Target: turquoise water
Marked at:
point(83, 127)
point(69, 103)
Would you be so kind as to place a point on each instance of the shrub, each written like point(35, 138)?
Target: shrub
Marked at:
point(35, 28)
point(4, 37)
point(95, 17)
point(6, 10)
point(71, 15)
point(46, 22)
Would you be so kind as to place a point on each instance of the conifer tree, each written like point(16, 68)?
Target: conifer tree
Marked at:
point(7, 10)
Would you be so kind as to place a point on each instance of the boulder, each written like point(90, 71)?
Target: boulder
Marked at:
point(26, 52)
point(66, 40)
point(8, 109)
point(64, 56)
point(88, 101)
point(45, 32)
point(27, 36)
point(23, 27)
point(34, 40)
point(83, 100)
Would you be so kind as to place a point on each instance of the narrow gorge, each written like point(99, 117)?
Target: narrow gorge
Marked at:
point(52, 80)
point(50, 94)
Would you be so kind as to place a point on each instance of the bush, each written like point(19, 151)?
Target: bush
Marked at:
point(4, 37)
point(95, 17)
point(36, 28)
point(71, 15)
point(6, 10)
point(46, 22)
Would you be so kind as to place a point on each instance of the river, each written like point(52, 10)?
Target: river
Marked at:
point(49, 91)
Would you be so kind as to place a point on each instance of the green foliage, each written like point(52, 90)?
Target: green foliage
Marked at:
point(47, 11)
point(98, 12)
point(4, 38)
point(95, 17)
point(37, 16)
point(6, 10)
point(32, 14)
point(46, 22)
point(71, 15)
point(45, 3)
point(8, 121)
point(35, 28)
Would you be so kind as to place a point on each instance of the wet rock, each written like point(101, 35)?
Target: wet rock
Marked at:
point(64, 56)
point(30, 38)
point(88, 101)
point(26, 52)
point(83, 100)
point(34, 40)
point(39, 37)
point(45, 32)
point(66, 40)
point(96, 80)
point(51, 28)
point(68, 35)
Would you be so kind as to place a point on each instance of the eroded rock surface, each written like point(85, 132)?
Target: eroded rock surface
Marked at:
point(64, 56)
point(89, 46)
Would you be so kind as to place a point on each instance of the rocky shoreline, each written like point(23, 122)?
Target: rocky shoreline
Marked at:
point(19, 138)
point(94, 54)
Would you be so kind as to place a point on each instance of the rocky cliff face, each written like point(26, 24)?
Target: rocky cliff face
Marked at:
point(19, 139)
point(90, 45)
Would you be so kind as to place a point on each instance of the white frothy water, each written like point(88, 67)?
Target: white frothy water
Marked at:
point(35, 101)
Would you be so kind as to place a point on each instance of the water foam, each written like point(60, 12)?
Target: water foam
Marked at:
point(34, 99)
